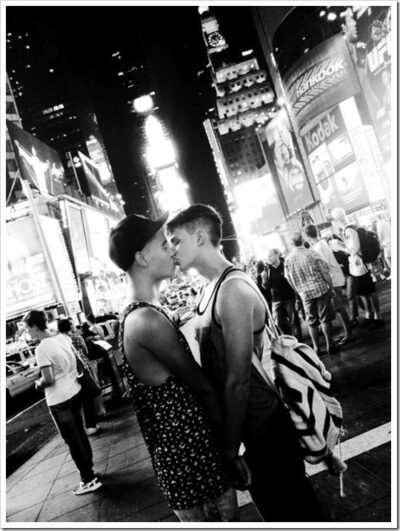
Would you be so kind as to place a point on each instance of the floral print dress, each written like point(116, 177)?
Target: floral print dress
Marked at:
point(177, 433)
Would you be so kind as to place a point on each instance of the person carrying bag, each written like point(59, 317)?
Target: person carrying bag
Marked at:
point(302, 383)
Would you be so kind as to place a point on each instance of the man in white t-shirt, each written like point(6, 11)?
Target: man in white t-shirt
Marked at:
point(338, 279)
point(57, 362)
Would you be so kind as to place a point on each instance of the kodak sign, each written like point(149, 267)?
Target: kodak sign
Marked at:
point(330, 124)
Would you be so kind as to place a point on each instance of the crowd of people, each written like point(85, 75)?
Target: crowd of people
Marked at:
point(219, 426)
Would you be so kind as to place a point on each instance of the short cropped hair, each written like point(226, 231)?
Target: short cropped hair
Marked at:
point(297, 239)
point(275, 251)
point(204, 215)
point(36, 317)
point(64, 326)
point(311, 231)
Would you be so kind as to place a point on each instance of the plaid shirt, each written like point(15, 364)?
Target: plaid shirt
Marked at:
point(307, 272)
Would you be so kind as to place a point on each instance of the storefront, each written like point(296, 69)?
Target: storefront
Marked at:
point(38, 271)
point(104, 287)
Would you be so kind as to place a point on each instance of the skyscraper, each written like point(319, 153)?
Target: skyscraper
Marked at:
point(244, 100)
point(54, 104)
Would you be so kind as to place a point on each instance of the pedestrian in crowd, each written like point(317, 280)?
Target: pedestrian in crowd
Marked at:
point(93, 407)
point(378, 266)
point(308, 274)
point(342, 257)
point(175, 404)
point(260, 281)
point(338, 280)
point(282, 294)
point(364, 285)
point(339, 215)
point(95, 328)
point(230, 323)
point(385, 239)
point(59, 380)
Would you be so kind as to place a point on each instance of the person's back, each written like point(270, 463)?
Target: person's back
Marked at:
point(278, 284)
point(303, 266)
point(57, 351)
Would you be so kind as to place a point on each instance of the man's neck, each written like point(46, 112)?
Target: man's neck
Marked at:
point(144, 289)
point(43, 334)
point(212, 265)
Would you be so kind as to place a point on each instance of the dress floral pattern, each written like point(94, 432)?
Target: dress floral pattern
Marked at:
point(177, 433)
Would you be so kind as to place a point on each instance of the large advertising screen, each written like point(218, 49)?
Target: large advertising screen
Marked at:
point(60, 258)
point(93, 179)
point(38, 163)
point(28, 281)
point(78, 239)
point(282, 153)
point(368, 33)
point(322, 78)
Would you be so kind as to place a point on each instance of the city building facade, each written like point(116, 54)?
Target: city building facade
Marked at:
point(332, 68)
point(244, 101)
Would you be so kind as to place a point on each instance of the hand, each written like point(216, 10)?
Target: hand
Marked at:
point(239, 472)
point(38, 387)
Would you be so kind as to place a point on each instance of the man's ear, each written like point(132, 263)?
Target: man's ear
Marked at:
point(201, 237)
point(141, 259)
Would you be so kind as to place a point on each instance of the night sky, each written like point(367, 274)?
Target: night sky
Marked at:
point(171, 39)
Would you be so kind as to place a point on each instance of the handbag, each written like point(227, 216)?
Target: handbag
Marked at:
point(88, 384)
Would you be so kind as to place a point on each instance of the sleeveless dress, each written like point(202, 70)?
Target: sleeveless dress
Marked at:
point(177, 433)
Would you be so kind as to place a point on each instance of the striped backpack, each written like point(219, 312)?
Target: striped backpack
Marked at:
point(302, 382)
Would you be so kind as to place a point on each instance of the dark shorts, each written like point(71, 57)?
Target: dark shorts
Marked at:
point(319, 310)
point(364, 285)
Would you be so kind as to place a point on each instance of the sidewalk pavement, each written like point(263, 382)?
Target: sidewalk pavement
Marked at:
point(41, 489)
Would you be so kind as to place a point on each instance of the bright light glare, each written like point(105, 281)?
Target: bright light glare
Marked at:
point(173, 196)
point(143, 104)
point(331, 17)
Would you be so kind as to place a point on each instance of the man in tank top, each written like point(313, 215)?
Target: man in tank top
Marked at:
point(230, 323)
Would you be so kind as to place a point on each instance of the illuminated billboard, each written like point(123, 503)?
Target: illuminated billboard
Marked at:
point(60, 258)
point(78, 239)
point(282, 153)
point(323, 77)
point(368, 30)
point(28, 281)
point(38, 163)
point(93, 183)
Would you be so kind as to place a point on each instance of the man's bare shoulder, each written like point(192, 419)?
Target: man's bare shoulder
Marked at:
point(237, 289)
point(144, 322)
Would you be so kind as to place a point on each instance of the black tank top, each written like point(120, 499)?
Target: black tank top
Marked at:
point(262, 400)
